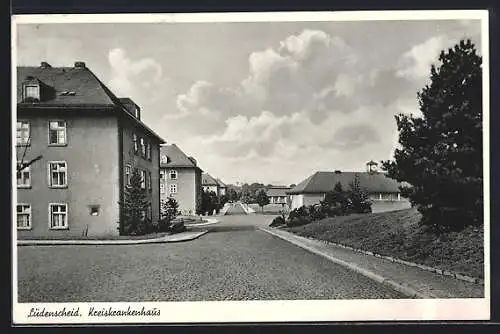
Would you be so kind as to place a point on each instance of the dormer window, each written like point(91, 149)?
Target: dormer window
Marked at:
point(164, 159)
point(31, 91)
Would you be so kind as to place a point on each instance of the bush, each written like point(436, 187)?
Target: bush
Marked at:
point(278, 221)
point(298, 217)
point(177, 226)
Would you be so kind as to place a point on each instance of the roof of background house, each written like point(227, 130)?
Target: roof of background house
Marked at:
point(322, 182)
point(208, 180)
point(277, 191)
point(175, 157)
point(70, 87)
point(221, 184)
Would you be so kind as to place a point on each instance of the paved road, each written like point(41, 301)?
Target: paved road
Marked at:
point(235, 261)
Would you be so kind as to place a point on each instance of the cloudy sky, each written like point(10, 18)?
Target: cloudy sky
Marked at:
point(268, 102)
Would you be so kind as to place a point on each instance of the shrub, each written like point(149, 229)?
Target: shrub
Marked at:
point(177, 226)
point(298, 217)
point(315, 212)
point(278, 221)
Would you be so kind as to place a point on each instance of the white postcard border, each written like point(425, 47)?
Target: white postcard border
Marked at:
point(268, 311)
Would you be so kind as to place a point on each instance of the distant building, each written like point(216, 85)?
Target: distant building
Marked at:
point(180, 178)
point(209, 183)
point(278, 194)
point(382, 190)
point(222, 187)
point(85, 142)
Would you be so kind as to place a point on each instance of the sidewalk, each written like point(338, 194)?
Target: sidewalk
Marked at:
point(411, 281)
point(178, 237)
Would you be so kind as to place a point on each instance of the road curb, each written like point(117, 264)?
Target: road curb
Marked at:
point(166, 239)
point(438, 271)
point(402, 288)
point(209, 222)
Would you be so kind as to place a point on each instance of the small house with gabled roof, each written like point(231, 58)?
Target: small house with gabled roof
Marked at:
point(383, 191)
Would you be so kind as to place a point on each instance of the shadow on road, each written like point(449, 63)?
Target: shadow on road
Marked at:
point(234, 228)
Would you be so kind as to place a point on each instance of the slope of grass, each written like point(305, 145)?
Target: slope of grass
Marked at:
point(398, 234)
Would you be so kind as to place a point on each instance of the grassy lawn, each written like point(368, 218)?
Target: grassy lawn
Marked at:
point(399, 235)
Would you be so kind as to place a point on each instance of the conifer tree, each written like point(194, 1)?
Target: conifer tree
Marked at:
point(441, 150)
point(135, 207)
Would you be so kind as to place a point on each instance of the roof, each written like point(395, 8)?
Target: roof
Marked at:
point(87, 89)
point(71, 87)
point(173, 156)
point(221, 184)
point(322, 182)
point(208, 180)
point(277, 191)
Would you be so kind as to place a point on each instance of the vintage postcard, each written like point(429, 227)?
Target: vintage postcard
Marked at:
point(250, 167)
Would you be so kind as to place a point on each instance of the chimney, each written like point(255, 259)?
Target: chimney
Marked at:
point(44, 64)
point(79, 64)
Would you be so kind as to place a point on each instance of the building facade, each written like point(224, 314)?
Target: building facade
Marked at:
point(180, 178)
point(222, 187)
point(278, 195)
point(76, 146)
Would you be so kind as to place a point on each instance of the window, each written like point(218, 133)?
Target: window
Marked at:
point(94, 210)
point(162, 174)
point(148, 150)
point(136, 147)
point(143, 179)
point(143, 148)
point(173, 174)
point(149, 181)
point(173, 189)
point(164, 159)
point(128, 170)
point(57, 133)
point(22, 133)
point(58, 216)
point(23, 213)
point(24, 177)
point(162, 188)
point(58, 174)
point(32, 91)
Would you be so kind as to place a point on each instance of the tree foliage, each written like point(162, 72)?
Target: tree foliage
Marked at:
point(209, 202)
point(135, 206)
point(441, 150)
point(261, 198)
point(358, 199)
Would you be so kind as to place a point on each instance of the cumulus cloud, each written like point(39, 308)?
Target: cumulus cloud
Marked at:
point(128, 73)
point(304, 97)
point(416, 63)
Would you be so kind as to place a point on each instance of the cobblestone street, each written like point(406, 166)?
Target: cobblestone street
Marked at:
point(234, 261)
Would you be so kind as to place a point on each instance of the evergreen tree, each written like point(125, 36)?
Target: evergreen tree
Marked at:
point(335, 202)
point(441, 151)
point(358, 199)
point(170, 210)
point(135, 207)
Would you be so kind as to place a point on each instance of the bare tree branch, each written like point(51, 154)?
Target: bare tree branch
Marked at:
point(21, 165)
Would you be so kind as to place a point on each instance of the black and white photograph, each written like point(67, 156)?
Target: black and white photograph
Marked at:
point(250, 167)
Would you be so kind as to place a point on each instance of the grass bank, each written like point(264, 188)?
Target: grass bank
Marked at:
point(398, 234)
